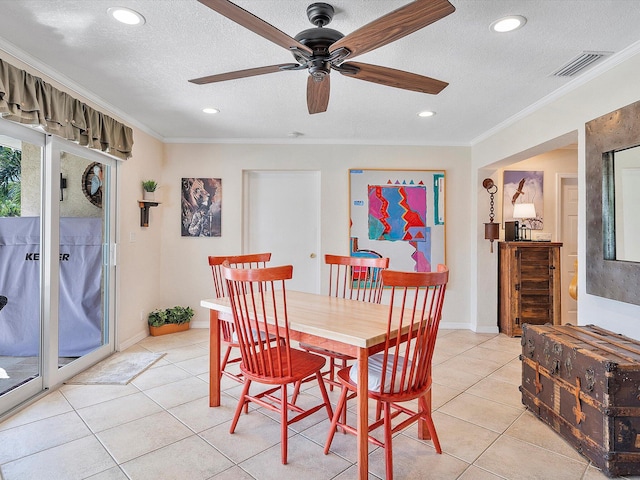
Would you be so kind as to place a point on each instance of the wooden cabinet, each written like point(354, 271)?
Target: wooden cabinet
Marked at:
point(528, 285)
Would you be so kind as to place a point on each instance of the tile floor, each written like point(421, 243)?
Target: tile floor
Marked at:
point(160, 426)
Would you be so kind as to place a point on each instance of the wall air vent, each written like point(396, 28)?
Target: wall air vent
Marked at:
point(579, 63)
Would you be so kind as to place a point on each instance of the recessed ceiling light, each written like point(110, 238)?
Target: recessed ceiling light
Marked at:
point(426, 113)
point(295, 134)
point(508, 24)
point(126, 15)
point(210, 110)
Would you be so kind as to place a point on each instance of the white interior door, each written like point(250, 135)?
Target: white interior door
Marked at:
point(569, 238)
point(282, 216)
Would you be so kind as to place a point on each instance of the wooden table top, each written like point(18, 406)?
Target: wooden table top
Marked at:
point(351, 322)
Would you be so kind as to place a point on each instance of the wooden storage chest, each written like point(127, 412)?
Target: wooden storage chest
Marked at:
point(584, 382)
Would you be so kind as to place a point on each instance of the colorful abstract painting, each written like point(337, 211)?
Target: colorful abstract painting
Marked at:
point(397, 212)
point(400, 215)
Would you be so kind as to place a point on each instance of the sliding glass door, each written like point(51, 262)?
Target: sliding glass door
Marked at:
point(56, 261)
point(21, 159)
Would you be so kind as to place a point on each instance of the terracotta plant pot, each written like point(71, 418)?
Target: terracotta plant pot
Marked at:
point(168, 328)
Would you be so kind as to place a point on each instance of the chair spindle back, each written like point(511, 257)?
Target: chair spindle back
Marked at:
point(259, 304)
point(356, 278)
point(418, 299)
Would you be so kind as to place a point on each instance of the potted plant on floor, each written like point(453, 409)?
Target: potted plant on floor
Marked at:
point(149, 187)
point(169, 320)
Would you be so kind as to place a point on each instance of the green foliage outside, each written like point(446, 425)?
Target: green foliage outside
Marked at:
point(10, 160)
point(157, 318)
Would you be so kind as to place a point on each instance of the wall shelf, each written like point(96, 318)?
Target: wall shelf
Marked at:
point(144, 211)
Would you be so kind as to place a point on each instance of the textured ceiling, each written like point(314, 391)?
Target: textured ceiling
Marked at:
point(141, 73)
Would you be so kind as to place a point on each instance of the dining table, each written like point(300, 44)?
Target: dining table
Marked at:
point(351, 327)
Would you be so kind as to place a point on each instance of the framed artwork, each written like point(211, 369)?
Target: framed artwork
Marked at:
point(398, 214)
point(523, 187)
point(92, 183)
point(201, 200)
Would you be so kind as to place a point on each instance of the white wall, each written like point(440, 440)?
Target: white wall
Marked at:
point(186, 278)
point(549, 126)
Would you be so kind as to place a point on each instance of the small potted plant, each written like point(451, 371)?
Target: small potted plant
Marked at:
point(148, 189)
point(169, 320)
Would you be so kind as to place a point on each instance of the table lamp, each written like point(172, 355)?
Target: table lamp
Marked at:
point(524, 211)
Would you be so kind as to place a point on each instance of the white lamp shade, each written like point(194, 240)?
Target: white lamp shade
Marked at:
point(524, 210)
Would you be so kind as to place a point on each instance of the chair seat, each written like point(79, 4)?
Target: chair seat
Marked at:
point(303, 364)
point(325, 351)
point(375, 373)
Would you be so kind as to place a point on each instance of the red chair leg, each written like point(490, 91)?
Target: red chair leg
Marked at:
point(283, 423)
point(388, 438)
point(334, 421)
point(426, 417)
point(241, 403)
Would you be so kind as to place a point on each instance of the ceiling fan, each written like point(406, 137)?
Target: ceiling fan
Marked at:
point(319, 49)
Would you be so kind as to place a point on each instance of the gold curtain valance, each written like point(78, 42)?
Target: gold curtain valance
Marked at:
point(27, 99)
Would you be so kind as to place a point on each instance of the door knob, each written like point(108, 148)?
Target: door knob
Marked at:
point(313, 255)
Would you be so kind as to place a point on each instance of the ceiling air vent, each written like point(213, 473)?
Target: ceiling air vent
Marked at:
point(579, 63)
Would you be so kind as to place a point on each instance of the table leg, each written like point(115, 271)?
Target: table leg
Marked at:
point(214, 359)
point(363, 414)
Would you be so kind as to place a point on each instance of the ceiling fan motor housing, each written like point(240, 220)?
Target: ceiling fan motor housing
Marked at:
point(320, 14)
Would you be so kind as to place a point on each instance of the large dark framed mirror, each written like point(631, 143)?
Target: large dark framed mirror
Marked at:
point(612, 186)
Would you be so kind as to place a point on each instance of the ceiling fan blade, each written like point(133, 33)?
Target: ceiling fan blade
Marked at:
point(392, 77)
point(318, 94)
point(250, 72)
point(253, 23)
point(393, 26)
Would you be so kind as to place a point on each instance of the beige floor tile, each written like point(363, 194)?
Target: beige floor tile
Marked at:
point(533, 430)
point(196, 365)
point(477, 366)
point(191, 458)
point(48, 406)
point(118, 411)
point(130, 440)
point(253, 434)
point(34, 437)
point(510, 373)
point(454, 378)
point(413, 459)
point(441, 394)
point(517, 460)
point(77, 459)
point(177, 393)
point(498, 391)
point(162, 375)
point(305, 461)
point(80, 396)
point(482, 412)
point(114, 473)
point(499, 356)
point(475, 473)
point(478, 417)
point(458, 438)
point(187, 352)
point(199, 416)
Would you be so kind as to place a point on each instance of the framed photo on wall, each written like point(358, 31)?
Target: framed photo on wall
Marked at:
point(399, 214)
point(201, 205)
point(523, 187)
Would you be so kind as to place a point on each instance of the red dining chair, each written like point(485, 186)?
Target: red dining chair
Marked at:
point(254, 260)
point(355, 278)
point(259, 304)
point(402, 371)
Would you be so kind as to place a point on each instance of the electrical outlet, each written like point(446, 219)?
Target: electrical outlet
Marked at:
point(132, 237)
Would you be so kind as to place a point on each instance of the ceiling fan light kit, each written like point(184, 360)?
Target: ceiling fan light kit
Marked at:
point(320, 50)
